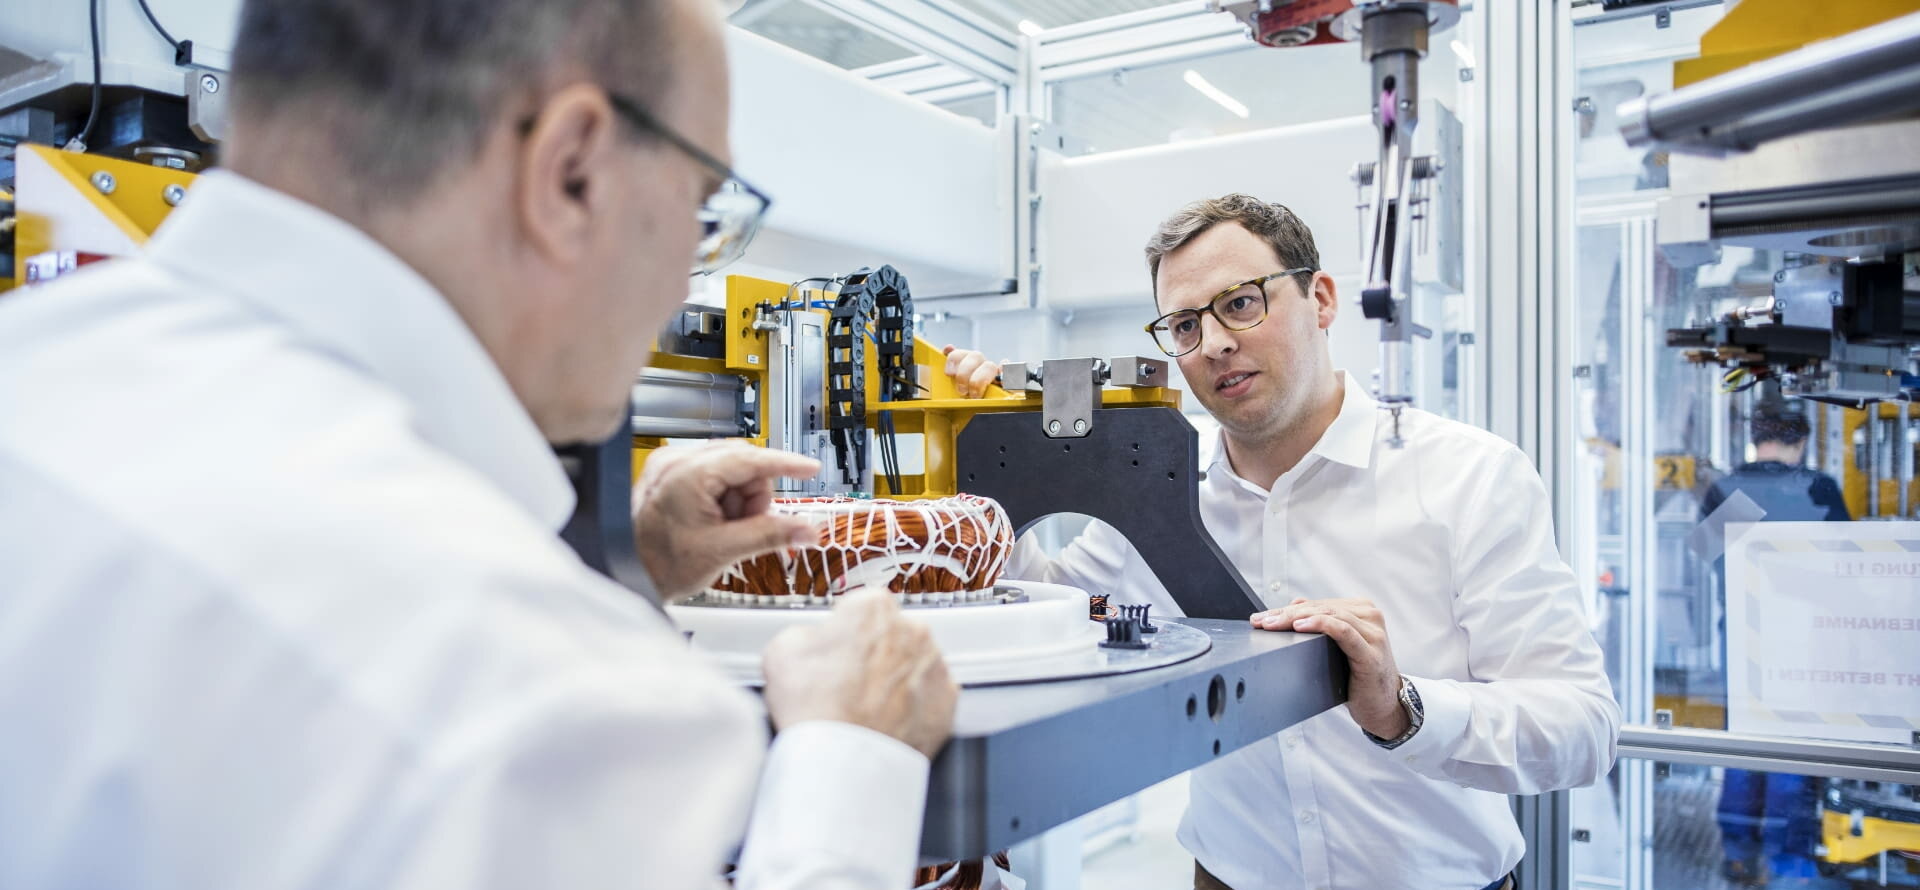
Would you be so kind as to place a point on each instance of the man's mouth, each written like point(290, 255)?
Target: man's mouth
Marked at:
point(1231, 380)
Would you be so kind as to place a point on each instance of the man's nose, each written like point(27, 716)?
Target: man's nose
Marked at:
point(1215, 340)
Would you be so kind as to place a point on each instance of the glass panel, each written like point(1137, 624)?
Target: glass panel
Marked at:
point(1621, 60)
point(1052, 13)
point(1714, 828)
point(817, 33)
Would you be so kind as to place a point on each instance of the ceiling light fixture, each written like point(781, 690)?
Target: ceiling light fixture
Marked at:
point(1210, 91)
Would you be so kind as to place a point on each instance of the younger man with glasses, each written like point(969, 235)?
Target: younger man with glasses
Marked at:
point(1430, 563)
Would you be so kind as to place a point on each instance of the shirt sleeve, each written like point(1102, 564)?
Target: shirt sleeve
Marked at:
point(598, 780)
point(1537, 713)
point(839, 808)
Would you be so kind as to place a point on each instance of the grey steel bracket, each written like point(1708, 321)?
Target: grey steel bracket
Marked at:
point(1070, 388)
point(1021, 377)
point(1136, 372)
point(1136, 469)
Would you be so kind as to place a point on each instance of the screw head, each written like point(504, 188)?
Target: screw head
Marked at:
point(103, 182)
point(1080, 426)
point(173, 194)
point(1053, 426)
point(209, 83)
point(1780, 275)
point(1833, 297)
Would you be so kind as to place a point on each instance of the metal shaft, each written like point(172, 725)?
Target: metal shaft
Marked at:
point(1872, 465)
point(1848, 78)
point(1904, 447)
point(687, 404)
point(1393, 41)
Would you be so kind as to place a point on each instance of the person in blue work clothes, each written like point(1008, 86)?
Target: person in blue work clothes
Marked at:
point(1769, 823)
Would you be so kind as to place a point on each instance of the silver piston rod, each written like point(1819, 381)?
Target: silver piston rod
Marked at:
point(1393, 40)
point(689, 405)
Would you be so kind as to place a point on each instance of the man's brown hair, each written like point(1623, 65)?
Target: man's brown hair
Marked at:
point(1290, 238)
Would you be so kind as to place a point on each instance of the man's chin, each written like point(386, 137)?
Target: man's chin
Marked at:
point(589, 428)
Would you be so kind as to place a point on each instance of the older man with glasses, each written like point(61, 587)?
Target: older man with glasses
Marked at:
point(282, 602)
point(1489, 682)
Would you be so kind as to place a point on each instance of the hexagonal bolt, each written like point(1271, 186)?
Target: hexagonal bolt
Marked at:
point(209, 83)
point(173, 194)
point(103, 182)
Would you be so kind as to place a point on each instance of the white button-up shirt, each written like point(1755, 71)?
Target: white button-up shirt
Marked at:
point(282, 605)
point(1451, 536)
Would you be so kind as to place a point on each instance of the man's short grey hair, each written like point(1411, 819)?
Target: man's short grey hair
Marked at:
point(1290, 238)
point(411, 87)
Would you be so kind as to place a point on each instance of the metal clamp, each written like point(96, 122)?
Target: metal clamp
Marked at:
point(1070, 389)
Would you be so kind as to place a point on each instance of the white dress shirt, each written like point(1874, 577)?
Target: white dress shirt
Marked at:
point(282, 605)
point(1451, 536)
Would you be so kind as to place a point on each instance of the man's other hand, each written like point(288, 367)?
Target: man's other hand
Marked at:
point(866, 665)
point(1358, 628)
point(699, 509)
point(970, 370)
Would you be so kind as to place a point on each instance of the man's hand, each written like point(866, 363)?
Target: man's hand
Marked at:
point(697, 510)
point(866, 665)
point(1358, 628)
point(970, 370)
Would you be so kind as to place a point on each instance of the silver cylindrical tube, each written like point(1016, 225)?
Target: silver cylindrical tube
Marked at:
point(687, 404)
point(1904, 459)
point(1685, 116)
point(1872, 465)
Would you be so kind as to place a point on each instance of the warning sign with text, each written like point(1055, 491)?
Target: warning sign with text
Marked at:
point(1823, 629)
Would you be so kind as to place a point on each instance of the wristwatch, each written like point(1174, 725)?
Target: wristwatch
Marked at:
point(1416, 715)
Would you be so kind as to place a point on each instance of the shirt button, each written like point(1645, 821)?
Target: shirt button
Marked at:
point(1306, 818)
point(1276, 587)
point(1411, 758)
point(1293, 741)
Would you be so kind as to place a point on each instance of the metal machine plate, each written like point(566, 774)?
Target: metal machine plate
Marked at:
point(1026, 758)
point(1136, 469)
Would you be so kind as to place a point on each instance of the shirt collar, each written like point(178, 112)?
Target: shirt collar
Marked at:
point(347, 292)
point(1348, 440)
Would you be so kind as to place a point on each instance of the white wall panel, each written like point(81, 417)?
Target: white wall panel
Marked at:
point(1100, 209)
point(862, 175)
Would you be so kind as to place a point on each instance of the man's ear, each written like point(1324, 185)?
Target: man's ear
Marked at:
point(562, 166)
point(1328, 299)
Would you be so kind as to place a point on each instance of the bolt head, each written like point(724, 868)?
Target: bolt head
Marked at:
point(1834, 298)
point(1053, 426)
point(209, 83)
point(1780, 275)
point(173, 194)
point(1079, 426)
point(103, 182)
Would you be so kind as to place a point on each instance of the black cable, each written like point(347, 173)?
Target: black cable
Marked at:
point(157, 27)
point(93, 110)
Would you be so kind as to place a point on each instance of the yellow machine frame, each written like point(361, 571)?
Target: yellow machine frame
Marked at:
point(1875, 837)
point(939, 417)
point(1762, 29)
point(90, 196)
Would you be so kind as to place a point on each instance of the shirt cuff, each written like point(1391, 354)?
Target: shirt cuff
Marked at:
point(836, 792)
point(1446, 708)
